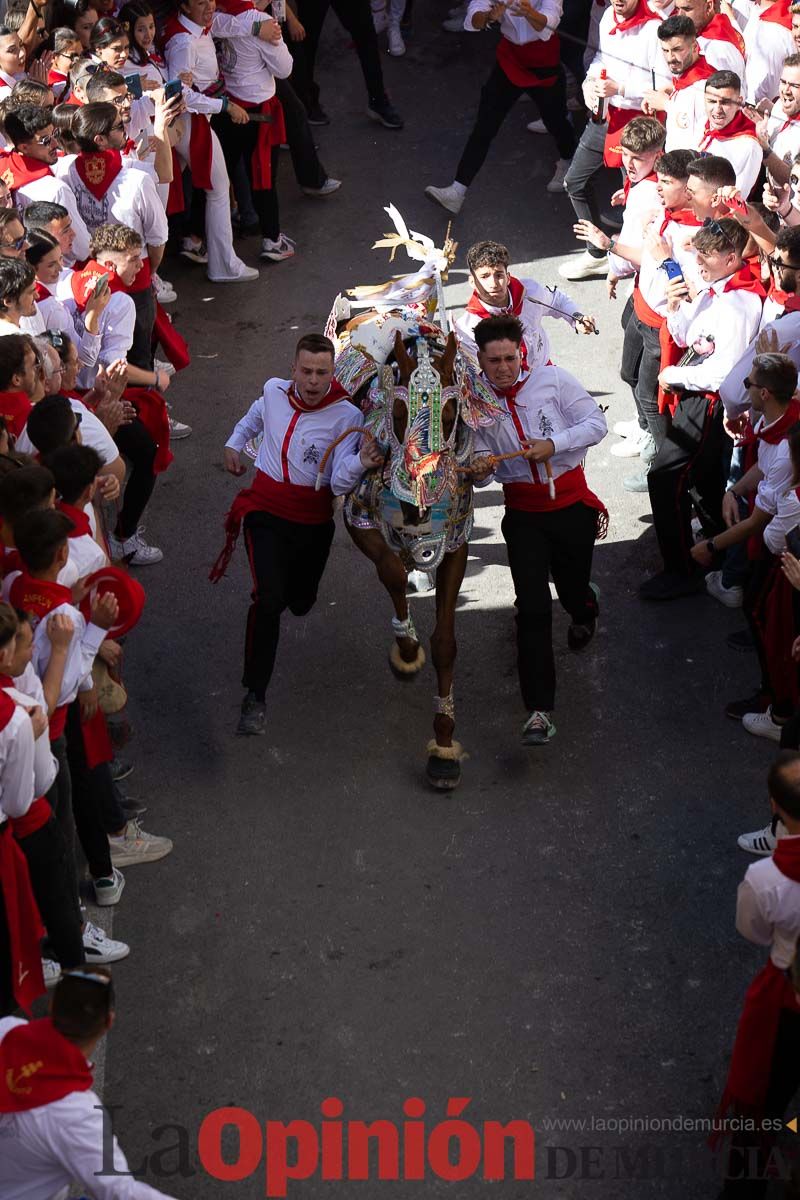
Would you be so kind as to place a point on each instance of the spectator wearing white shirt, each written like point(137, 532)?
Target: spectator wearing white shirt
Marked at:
point(729, 132)
point(55, 220)
point(527, 61)
point(779, 130)
point(54, 1131)
point(684, 100)
point(721, 43)
point(769, 41)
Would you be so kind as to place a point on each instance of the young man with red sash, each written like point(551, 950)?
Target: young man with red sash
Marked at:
point(712, 328)
point(684, 100)
point(189, 36)
point(497, 293)
point(27, 169)
point(250, 68)
point(288, 518)
point(627, 63)
point(528, 60)
point(768, 35)
point(54, 1125)
point(728, 132)
point(21, 930)
point(552, 518)
point(721, 43)
point(765, 1064)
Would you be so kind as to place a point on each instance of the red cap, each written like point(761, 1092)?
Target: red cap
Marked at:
point(128, 592)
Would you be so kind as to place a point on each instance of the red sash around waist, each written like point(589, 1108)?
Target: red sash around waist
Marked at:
point(646, 314)
point(34, 819)
point(533, 65)
point(270, 133)
point(571, 488)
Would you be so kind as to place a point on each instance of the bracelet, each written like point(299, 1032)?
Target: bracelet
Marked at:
point(612, 241)
point(224, 104)
point(256, 28)
point(155, 379)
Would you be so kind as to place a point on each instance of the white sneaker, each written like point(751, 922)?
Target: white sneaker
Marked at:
point(763, 841)
point(327, 189)
point(134, 550)
point(51, 971)
point(536, 127)
point(647, 448)
point(631, 447)
point(167, 367)
point(194, 251)
point(556, 184)
point(397, 46)
point(108, 889)
point(731, 597)
point(177, 430)
point(584, 267)
point(165, 292)
point(625, 429)
point(101, 949)
point(450, 197)
point(762, 725)
point(136, 846)
point(277, 251)
point(246, 275)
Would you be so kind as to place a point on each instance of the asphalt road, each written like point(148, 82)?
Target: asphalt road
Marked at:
point(554, 940)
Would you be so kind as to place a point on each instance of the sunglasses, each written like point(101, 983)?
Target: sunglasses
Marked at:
point(17, 244)
point(47, 140)
point(57, 340)
point(71, 55)
point(718, 231)
point(777, 265)
point(748, 383)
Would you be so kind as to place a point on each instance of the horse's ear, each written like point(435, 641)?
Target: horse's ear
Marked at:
point(405, 363)
point(449, 356)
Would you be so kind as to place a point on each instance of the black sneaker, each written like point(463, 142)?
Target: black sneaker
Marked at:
point(538, 729)
point(381, 110)
point(252, 722)
point(669, 585)
point(120, 769)
point(579, 636)
point(757, 703)
point(317, 115)
point(741, 640)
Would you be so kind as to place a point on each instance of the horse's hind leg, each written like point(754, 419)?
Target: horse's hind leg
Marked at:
point(444, 754)
point(406, 656)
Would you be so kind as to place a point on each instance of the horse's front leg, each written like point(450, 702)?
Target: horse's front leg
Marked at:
point(444, 754)
point(406, 656)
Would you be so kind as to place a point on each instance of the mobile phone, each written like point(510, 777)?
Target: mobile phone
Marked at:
point(673, 269)
point(101, 286)
point(172, 88)
point(134, 85)
point(793, 541)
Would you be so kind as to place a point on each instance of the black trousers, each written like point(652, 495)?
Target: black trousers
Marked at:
point(287, 560)
point(641, 362)
point(52, 875)
point(498, 97)
point(542, 544)
point(239, 142)
point(94, 800)
point(784, 1081)
point(356, 16)
point(688, 465)
point(573, 30)
point(308, 169)
point(141, 351)
point(138, 448)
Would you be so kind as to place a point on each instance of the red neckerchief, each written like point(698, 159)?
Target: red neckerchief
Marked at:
point(740, 126)
point(778, 430)
point(778, 13)
point(334, 394)
point(54, 76)
point(78, 517)
point(786, 857)
point(640, 16)
point(681, 216)
point(18, 169)
point(82, 282)
point(721, 29)
point(627, 185)
point(38, 596)
point(6, 681)
point(98, 170)
point(175, 25)
point(698, 70)
point(38, 1066)
point(42, 292)
point(15, 408)
point(234, 7)
point(516, 296)
point(745, 281)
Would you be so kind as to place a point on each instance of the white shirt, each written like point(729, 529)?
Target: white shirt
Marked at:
point(517, 29)
point(724, 320)
point(115, 338)
point(743, 152)
point(251, 66)
point(57, 191)
point(768, 44)
point(44, 1149)
point(732, 390)
point(783, 133)
point(629, 58)
point(86, 641)
point(51, 314)
point(16, 778)
point(539, 302)
point(93, 433)
point(132, 199)
point(550, 404)
point(786, 518)
point(642, 203)
point(294, 442)
point(28, 692)
point(768, 910)
point(193, 51)
point(721, 54)
point(686, 117)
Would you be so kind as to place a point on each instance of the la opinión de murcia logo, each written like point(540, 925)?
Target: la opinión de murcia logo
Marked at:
point(454, 1149)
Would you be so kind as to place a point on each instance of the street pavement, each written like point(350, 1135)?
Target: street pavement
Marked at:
point(555, 940)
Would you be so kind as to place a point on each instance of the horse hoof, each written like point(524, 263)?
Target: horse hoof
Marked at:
point(443, 770)
point(405, 671)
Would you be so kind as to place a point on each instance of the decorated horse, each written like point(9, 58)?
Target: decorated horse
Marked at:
point(421, 401)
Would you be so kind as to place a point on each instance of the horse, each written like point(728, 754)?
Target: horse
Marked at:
point(421, 401)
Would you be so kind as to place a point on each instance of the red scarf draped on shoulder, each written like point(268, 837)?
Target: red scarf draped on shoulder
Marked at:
point(768, 994)
point(681, 216)
point(38, 1066)
point(779, 13)
point(80, 521)
point(15, 408)
point(18, 169)
point(38, 596)
point(740, 126)
point(744, 281)
point(25, 929)
point(98, 170)
point(721, 29)
point(698, 71)
point(516, 296)
point(778, 430)
point(640, 16)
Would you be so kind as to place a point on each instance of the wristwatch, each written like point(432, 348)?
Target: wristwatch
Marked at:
point(710, 547)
